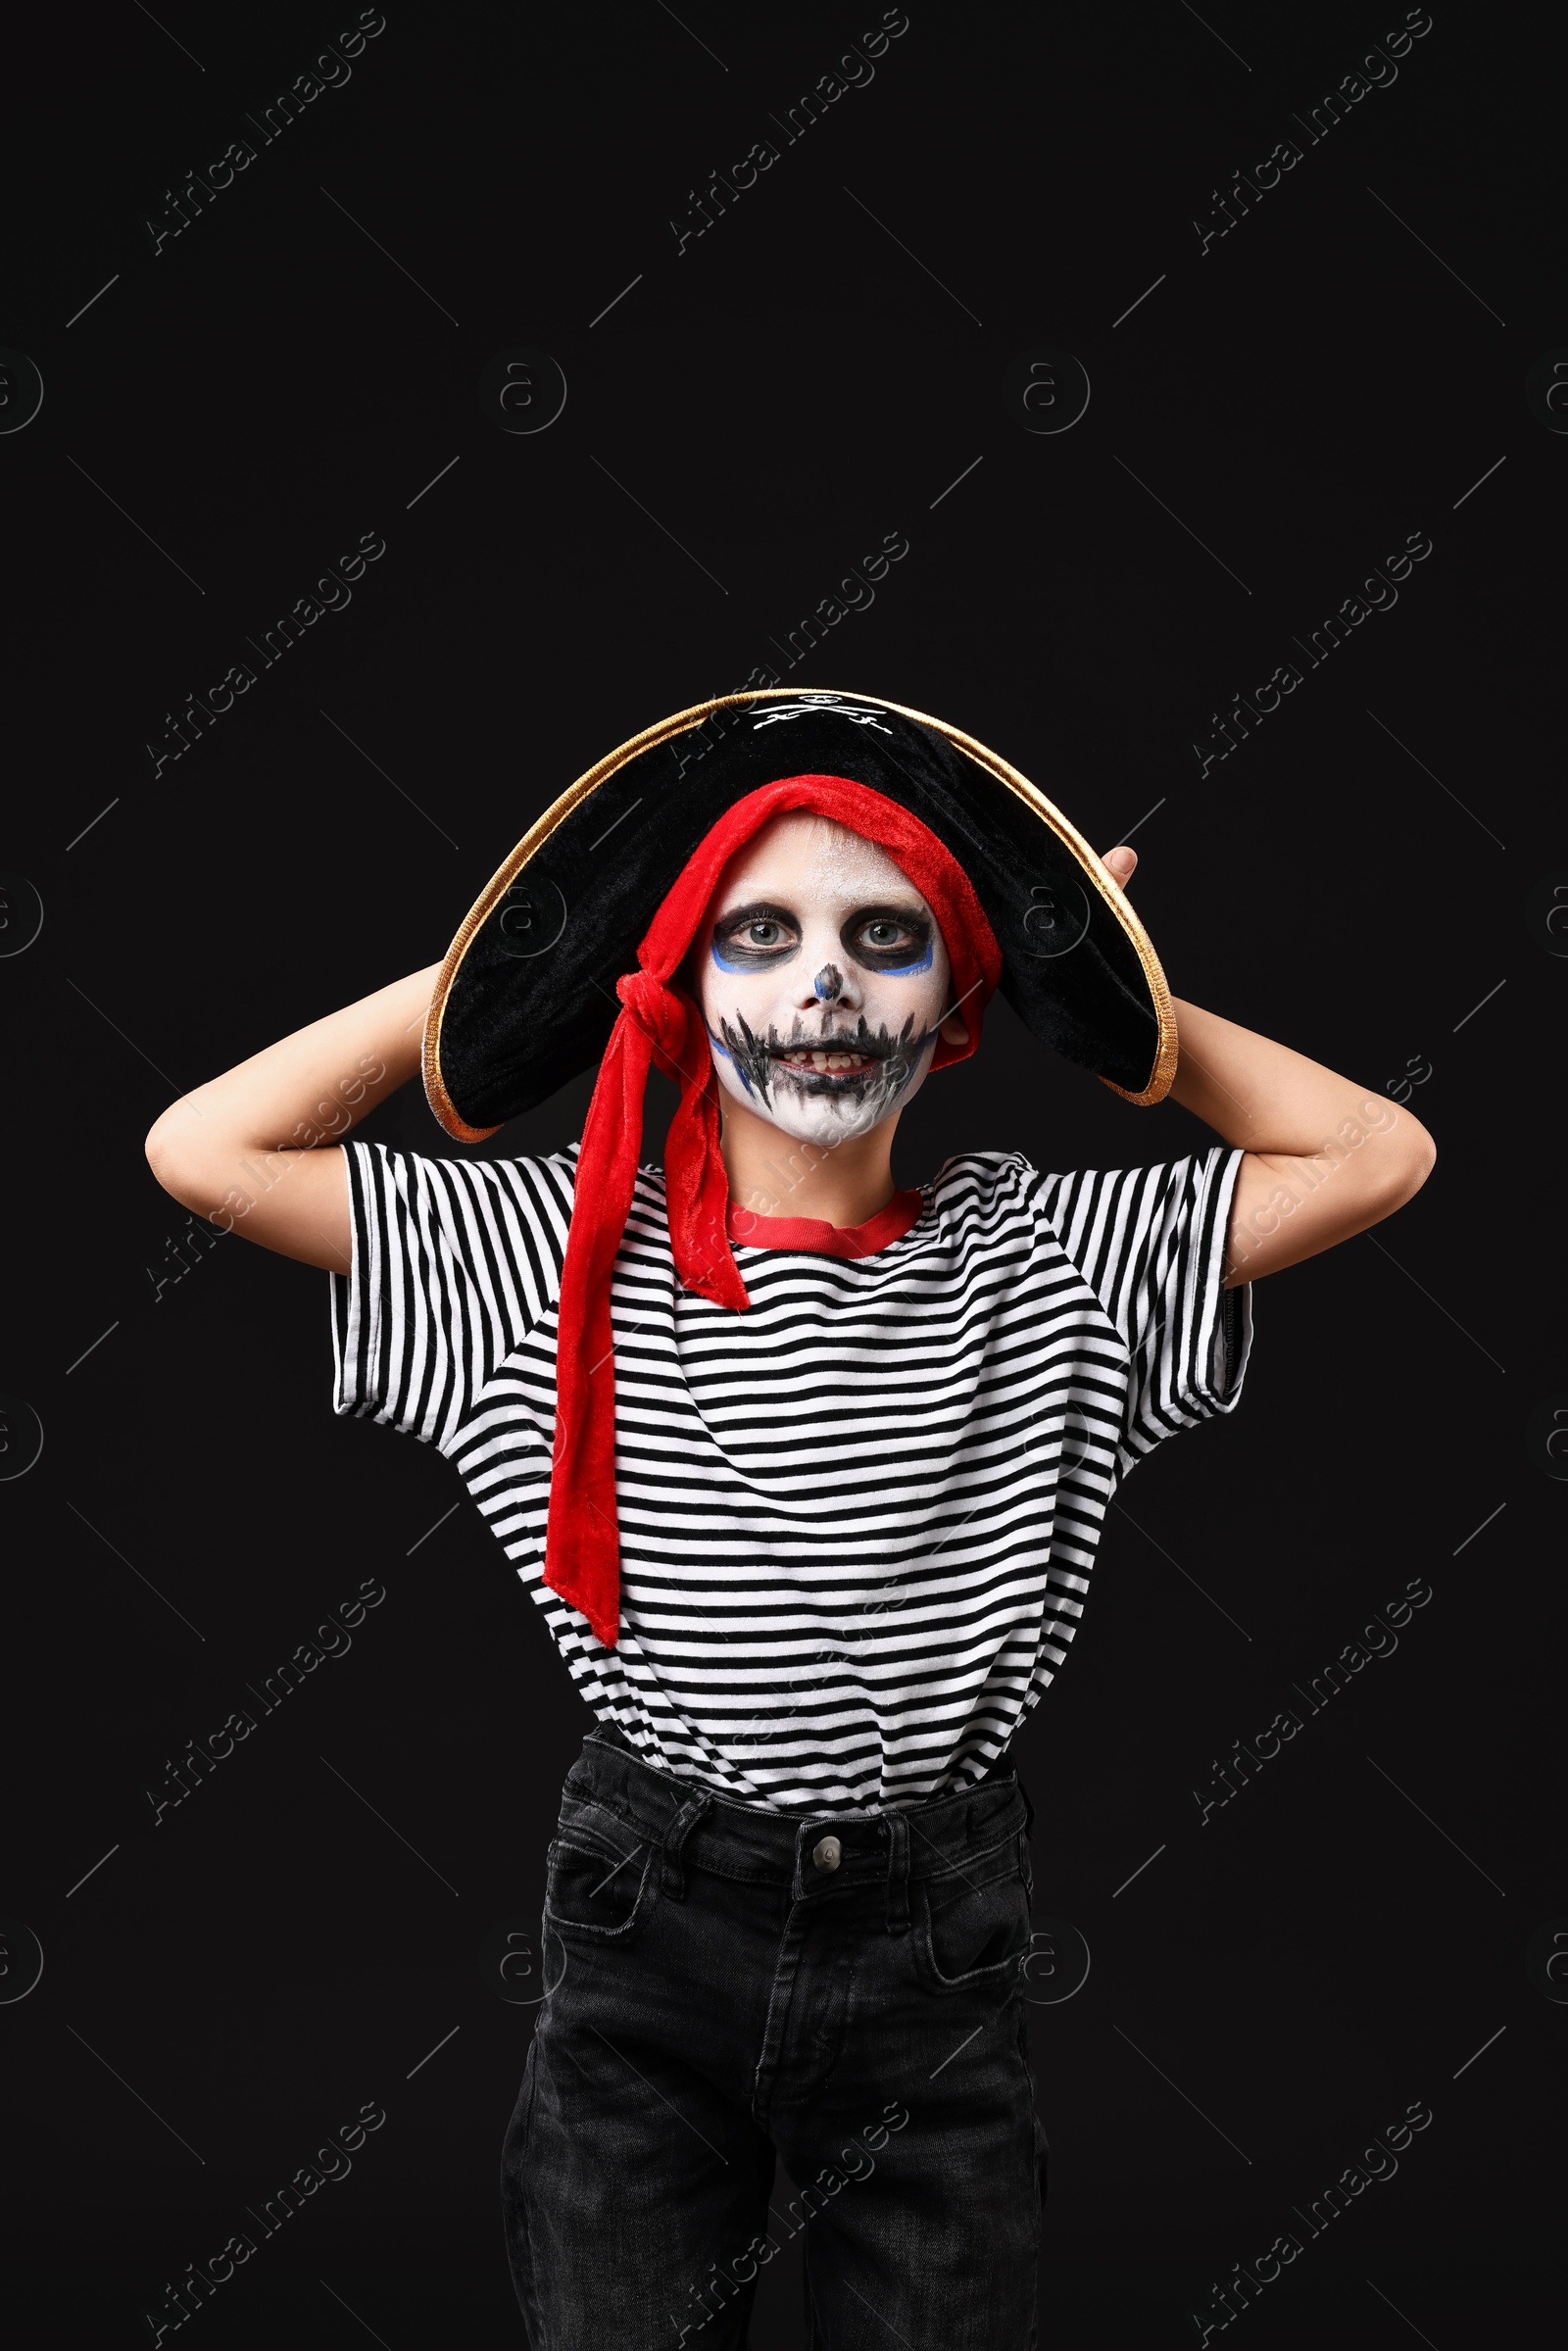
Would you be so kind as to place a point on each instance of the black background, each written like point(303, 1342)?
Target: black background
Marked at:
point(227, 1987)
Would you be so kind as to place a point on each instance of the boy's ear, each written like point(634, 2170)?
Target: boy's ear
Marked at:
point(954, 1030)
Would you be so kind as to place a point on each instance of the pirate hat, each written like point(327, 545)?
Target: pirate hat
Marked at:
point(527, 996)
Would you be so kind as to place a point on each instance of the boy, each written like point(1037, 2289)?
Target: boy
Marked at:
point(807, 1473)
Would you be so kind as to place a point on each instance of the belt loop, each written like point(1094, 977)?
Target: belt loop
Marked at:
point(897, 1828)
point(1029, 1810)
point(673, 1876)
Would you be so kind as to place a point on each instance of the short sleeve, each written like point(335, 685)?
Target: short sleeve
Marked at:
point(455, 1261)
point(1151, 1242)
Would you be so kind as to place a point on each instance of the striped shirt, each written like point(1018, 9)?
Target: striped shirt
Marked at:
point(856, 1521)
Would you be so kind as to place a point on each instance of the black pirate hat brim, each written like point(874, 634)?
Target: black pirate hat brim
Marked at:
point(526, 996)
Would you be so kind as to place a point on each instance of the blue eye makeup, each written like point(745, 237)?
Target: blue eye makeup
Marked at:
point(894, 941)
point(901, 971)
point(754, 938)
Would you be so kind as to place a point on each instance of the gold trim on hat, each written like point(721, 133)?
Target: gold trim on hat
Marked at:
point(684, 723)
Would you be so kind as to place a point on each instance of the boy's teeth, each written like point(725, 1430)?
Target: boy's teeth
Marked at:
point(826, 1060)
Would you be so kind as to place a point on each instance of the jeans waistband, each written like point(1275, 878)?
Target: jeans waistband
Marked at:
point(692, 1824)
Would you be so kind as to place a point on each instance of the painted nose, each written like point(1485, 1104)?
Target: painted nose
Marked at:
point(834, 993)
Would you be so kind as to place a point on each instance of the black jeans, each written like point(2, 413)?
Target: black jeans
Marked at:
point(726, 1985)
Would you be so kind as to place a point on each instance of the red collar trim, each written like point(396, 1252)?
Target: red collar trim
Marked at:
point(823, 1240)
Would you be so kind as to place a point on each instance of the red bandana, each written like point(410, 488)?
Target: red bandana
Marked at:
point(582, 1544)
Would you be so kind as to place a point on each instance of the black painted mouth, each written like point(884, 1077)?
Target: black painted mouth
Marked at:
point(834, 1081)
point(887, 1061)
point(867, 1049)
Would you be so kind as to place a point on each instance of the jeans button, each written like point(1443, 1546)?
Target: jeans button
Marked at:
point(827, 1854)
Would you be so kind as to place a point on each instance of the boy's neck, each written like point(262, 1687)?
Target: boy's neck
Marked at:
point(770, 1172)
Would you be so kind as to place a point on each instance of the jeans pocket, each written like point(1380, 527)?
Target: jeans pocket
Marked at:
point(602, 1882)
point(970, 1929)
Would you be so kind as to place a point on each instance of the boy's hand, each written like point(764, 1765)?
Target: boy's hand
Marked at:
point(1120, 864)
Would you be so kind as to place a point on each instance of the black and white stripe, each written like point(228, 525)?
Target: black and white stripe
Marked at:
point(856, 1522)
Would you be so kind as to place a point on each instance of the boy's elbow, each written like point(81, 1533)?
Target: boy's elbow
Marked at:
point(170, 1153)
point(164, 1167)
point(1423, 1156)
point(158, 1146)
point(1406, 1173)
point(1429, 1159)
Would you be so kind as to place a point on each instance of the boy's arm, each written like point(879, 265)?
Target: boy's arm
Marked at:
point(245, 1150)
point(1324, 1158)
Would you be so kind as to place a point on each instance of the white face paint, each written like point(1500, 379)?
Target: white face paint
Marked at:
point(824, 980)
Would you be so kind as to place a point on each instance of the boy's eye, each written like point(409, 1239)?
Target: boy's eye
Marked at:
point(889, 935)
point(760, 934)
